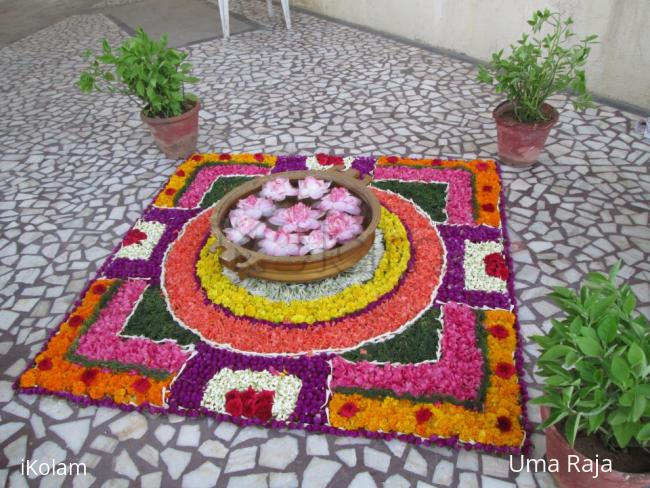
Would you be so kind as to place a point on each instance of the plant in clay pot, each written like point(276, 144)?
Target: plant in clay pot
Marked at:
point(597, 393)
point(538, 67)
point(153, 76)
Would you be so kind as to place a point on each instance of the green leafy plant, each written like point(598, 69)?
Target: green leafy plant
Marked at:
point(595, 361)
point(148, 71)
point(541, 66)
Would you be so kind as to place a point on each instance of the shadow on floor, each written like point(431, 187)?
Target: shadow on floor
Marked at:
point(185, 22)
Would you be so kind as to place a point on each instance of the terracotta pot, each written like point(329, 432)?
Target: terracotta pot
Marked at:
point(176, 136)
point(520, 143)
point(558, 448)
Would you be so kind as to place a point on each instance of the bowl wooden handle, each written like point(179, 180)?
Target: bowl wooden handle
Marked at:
point(250, 262)
point(229, 255)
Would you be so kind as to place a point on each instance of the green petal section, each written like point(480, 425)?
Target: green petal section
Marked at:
point(430, 197)
point(220, 187)
point(417, 343)
point(152, 319)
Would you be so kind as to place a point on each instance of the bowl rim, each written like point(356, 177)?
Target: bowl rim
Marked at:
point(345, 178)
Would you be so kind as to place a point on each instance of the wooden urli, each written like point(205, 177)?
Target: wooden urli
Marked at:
point(297, 269)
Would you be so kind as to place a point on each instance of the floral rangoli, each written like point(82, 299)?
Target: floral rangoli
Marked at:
point(418, 341)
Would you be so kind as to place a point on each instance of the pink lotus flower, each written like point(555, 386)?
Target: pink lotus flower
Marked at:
point(236, 236)
point(343, 227)
point(341, 199)
point(312, 187)
point(244, 227)
point(256, 207)
point(297, 218)
point(279, 243)
point(316, 241)
point(278, 189)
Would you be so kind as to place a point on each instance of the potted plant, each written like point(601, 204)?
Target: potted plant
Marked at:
point(538, 67)
point(596, 362)
point(152, 75)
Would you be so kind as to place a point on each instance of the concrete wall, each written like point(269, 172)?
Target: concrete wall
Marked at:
point(619, 67)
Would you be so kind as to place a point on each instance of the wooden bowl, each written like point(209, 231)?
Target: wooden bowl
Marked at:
point(297, 269)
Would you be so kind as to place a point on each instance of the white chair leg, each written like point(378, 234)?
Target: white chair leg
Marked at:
point(286, 12)
point(269, 7)
point(224, 13)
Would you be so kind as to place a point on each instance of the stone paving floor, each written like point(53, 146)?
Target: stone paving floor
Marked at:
point(78, 170)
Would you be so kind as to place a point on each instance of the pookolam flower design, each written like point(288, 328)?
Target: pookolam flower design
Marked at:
point(418, 341)
point(254, 392)
point(140, 241)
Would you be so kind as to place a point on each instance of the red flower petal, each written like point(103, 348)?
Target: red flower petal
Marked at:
point(45, 364)
point(170, 191)
point(231, 395)
point(98, 289)
point(348, 410)
point(504, 424)
point(197, 157)
point(76, 320)
point(495, 265)
point(88, 376)
point(488, 207)
point(504, 370)
point(322, 158)
point(423, 415)
point(487, 188)
point(225, 157)
point(234, 407)
point(265, 396)
point(259, 157)
point(180, 172)
point(263, 411)
point(141, 385)
point(482, 166)
point(249, 407)
point(134, 236)
point(392, 159)
point(498, 331)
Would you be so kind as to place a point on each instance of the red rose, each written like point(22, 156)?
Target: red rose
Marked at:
point(436, 162)
point(180, 173)
point(197, 157)
point(234, 407)
point(45, 364)
point(141, 385)
point(76, 320)
point(482, 166)
point(488, 207)
point(392, 159)
point(225, 157)
point(348, 410)
point(170, 191)
point(232, 394)
point(248, 401)
point(88, 376)
point(263, 406)
point(487, 188)
point(259, 157)
point(263, 411)
point(134, 236)
point(504, 370)
point(498, 331)
point(495, 265)
point(265, 395)
point(504, 424)
point(99, 289)
point(423, 415)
